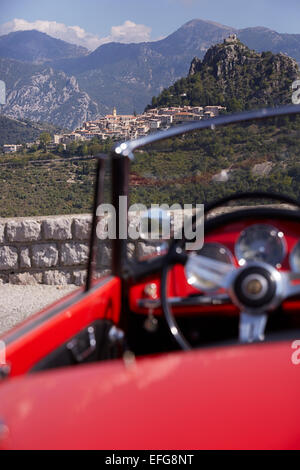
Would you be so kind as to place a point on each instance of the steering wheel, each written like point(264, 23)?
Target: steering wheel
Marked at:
point(256, 288)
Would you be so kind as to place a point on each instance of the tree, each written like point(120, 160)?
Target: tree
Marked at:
point(60, 149)
point(95, 148)
point(72, 149)
point(83, 150)
point(33, 148)
point(45, 139)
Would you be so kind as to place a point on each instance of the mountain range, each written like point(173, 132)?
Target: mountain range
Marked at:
point(40, 93)
point(34, 46)
point(50, 80)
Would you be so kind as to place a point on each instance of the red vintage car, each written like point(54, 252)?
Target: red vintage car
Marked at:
point(179, 342)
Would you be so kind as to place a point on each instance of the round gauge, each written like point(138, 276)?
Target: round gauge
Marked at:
point(261, 242)
point(295, 258)
point(215, 251)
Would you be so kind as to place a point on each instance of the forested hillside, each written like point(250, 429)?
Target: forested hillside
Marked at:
point(234, 76)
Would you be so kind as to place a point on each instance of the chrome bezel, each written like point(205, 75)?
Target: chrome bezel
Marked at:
point(292, 257)
point(280, 292)
point(270, 227)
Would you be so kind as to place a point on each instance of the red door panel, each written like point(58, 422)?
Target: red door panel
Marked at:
point(42, 333)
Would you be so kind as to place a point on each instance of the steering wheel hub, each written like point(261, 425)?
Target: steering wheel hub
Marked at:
point(255, 286)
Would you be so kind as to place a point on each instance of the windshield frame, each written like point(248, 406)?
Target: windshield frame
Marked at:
point(126, 149)
point(122, 153)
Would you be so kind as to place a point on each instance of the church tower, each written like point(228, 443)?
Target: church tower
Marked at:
point(114, 112)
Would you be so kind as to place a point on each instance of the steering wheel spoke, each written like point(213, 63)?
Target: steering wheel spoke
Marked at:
point(200, 268)
point(252, 327)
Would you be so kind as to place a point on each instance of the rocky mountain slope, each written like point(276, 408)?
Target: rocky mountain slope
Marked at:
point(234, 76)
point(40, 93)
point(265, 39)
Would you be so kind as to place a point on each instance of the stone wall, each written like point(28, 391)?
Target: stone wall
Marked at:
point(54, 250)
point(45, 250)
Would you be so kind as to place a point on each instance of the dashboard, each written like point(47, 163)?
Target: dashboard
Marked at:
point(274, 241)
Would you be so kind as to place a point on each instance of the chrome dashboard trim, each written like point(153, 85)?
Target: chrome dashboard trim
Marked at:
point(191, 301)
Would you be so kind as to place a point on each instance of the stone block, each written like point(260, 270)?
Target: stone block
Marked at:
point(57, 228)
point(8, 257)
point(57, 277)
point(2, 226)
point(44, 256)
point(25, 261)
point(74, 253)
point(24, 230)
point(82, 228)
point(79, 277)
point(26, 278)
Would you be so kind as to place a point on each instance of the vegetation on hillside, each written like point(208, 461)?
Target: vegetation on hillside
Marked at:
point(262, 155)
point(254, 156)
point(53, 188)
point(234, 76)
point(19, 132)
point(46, 183)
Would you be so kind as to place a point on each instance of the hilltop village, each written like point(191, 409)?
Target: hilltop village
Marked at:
point(126, 127)
point(133, 126)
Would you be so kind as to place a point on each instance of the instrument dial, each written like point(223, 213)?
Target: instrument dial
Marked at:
point(261, 242)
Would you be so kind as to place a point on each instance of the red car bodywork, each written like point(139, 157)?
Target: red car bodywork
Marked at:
point(103, 301)
point(227, 398)
point(238, 397)
point(234, 397)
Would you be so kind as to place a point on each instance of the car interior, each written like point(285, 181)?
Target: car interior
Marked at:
point(241, 286)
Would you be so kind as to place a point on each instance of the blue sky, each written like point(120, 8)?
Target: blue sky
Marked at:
point(138, 20)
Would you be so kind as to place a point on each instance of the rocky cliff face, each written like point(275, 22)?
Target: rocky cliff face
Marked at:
point(225, 60)
point(233, 75)
point(46, 95)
